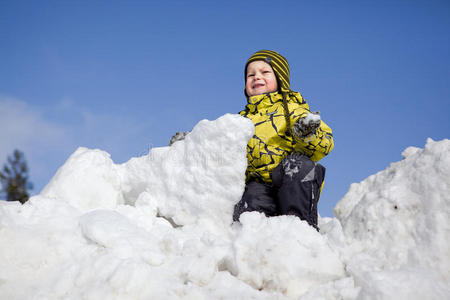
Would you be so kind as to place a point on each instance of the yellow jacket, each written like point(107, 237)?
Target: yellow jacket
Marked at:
point(270, 144)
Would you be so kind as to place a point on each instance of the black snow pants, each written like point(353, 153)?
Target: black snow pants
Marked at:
point(295, 190)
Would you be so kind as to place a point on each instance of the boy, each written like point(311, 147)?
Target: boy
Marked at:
point(282, 176)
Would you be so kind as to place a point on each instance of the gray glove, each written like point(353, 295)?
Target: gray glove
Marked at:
point(307, 126)
point(179, 136)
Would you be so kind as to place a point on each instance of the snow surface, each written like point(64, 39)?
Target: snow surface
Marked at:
point(160, 227)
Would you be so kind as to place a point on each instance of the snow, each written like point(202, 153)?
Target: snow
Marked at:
point(160, 226)
point(312, 117)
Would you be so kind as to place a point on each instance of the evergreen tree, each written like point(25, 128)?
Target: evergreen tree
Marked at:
point(14, 178)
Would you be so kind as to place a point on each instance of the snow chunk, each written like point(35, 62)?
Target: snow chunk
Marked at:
point(283, 254)
point(399, 217)
point(312, 117)
point(89, 179)
point(199, 177)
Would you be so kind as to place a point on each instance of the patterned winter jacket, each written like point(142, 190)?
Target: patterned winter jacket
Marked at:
point(270, 143)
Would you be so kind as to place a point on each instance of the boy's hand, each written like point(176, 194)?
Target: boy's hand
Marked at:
point(306, 126)
point(179, 136)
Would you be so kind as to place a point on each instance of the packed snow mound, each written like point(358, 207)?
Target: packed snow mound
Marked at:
point(398, 219)
point(160, 227)
point(195, 179)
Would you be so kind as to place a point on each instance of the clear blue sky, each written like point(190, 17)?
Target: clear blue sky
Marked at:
point(123, 76)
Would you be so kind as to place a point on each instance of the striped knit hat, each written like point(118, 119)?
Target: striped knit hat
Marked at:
point(279, 65)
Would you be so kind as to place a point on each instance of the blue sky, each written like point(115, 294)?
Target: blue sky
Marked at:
point(123, 76)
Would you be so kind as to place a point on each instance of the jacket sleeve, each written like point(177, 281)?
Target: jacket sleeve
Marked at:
point(244, 112)
point(316, 145)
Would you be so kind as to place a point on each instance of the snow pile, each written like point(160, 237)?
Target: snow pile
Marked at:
point(396, 223)
point(160, 227)
point(194, 180)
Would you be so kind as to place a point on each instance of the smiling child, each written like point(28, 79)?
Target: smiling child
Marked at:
point(282, 176)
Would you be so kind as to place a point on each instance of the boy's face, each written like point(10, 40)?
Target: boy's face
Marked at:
point(260, 79)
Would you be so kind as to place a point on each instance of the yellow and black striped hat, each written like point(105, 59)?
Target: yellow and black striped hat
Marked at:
point(279, 65)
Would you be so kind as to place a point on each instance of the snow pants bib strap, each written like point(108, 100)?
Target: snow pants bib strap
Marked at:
point(297, 181)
